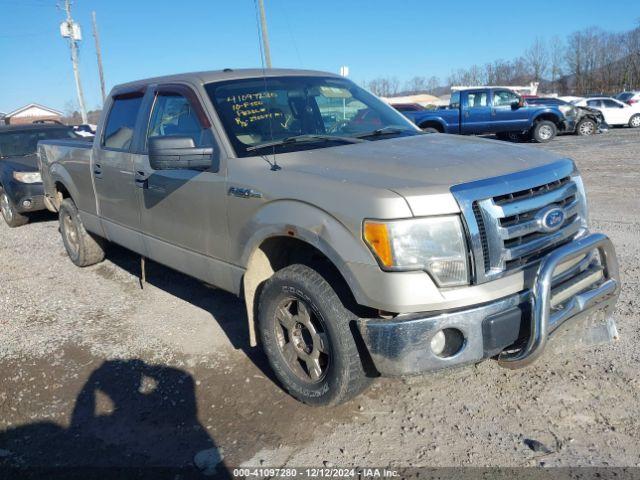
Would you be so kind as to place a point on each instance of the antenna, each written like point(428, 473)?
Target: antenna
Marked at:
point(261, 26)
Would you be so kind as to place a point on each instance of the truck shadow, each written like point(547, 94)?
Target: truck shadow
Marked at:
point(225, 308)
point(130, 420)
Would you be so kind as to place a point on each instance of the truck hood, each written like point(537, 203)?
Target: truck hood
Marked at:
point(418, 166)
point(23, 164)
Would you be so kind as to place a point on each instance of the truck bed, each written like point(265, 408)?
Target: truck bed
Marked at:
point(67, 160)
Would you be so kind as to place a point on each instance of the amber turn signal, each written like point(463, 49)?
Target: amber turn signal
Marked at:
point(377, 237)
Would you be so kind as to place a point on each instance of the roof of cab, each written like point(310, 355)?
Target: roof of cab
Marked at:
point(222, 75)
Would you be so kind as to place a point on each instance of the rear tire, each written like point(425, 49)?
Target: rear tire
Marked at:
point(83, 248)
point(11, 216)
point(544, 131)
point(305, 332)
point(634, 122)
point(586, 127)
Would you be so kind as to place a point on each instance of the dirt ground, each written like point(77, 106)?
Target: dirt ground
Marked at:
point(95, 370)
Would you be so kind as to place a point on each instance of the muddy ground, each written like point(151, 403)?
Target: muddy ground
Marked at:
point(95, 370)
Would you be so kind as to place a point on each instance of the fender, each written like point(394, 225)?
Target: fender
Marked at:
point(59, 174)
point(313, 226)
point(557, 115)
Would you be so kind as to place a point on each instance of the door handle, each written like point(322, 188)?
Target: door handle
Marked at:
point(466, 114)
point(97, 170)
point(141, 179)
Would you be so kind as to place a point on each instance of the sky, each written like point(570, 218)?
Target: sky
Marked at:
point(402, 39)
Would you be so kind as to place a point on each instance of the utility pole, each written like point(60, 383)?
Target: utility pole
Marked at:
point(265, 34)
point(99, 55)
point(74, 35)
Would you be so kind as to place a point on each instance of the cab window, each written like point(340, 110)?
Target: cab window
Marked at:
point(120, 125)
point(504, 98)
point(477, 99)
point(173, 115)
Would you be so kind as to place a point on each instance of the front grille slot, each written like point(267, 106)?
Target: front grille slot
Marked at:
point(483, 235)
point(511, 230)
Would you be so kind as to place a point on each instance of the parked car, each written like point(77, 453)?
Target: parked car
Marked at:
point(616, 113)
point(493, 110)
point(586, 120)
point(21, 189)
point(630, 98)
point(85, 130)
point(408, 107)
point(358, 251)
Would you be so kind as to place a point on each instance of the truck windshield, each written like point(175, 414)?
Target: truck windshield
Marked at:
point(266, 113)
point(20, 143)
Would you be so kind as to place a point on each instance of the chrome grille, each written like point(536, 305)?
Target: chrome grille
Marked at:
point(507, 217)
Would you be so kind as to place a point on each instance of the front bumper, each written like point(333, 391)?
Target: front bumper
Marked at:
point(516, 328)
point(27, 197)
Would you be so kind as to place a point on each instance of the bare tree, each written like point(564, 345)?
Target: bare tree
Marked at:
point(384, 86)
point(433, 83)
point(416, 84)
point(536, 58)
point(556, 57)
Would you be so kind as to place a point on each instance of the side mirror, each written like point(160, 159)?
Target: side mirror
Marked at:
point(179, 153)
point(518, 104)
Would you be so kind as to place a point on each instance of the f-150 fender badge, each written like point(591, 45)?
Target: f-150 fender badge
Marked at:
point(244, 192)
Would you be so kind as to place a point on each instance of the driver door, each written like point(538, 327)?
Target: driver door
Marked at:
point(506, 118)
point(182, 210)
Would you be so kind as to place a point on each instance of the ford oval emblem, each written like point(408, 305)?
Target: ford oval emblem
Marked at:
point(552, 219)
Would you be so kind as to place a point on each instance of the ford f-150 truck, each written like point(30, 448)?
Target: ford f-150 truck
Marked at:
point(361, 245)
point(494, 110)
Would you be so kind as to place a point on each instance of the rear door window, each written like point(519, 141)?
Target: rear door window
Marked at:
point(121, 122)
point(477, 99)
point(594, 103)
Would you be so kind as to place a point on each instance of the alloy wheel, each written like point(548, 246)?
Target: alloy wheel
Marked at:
point(586, 128)
point(545, 132)
point(302, 340)
point(71, 233)
point(6, 207)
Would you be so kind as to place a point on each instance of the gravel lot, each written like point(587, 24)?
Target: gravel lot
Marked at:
point(95, 370)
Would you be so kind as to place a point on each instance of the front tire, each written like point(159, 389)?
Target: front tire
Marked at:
point(305, 332)
point(11, 216)
point(544, 131)
point(83, 248)
point(586, 127)
point(431, 130)
point(634, 122)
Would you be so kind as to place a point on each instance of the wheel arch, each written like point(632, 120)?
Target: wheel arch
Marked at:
point(317, 240)
point(552, 117)
point(62, 187)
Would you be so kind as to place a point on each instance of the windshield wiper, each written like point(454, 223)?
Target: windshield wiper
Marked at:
point(384, 131)
point(305, 138)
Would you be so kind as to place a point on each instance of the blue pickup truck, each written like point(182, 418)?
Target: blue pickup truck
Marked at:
point(493, 110)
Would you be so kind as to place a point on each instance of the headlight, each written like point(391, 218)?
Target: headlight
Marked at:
point(27, 177)
point(434, 244)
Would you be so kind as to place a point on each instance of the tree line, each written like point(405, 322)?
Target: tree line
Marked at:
point(585, 62)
